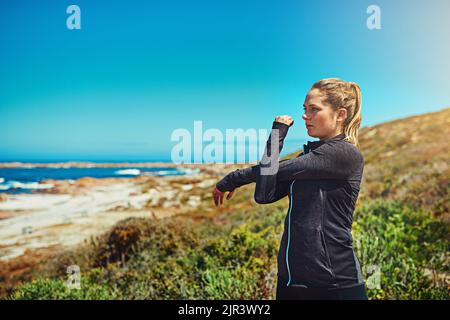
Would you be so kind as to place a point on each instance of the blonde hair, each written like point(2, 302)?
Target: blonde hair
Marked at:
point(342, 94)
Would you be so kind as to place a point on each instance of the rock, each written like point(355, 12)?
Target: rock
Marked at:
point(154, 197)
point(3, 197)
point(194, 201)
point(171, 204)
point(86, 182)
point(169, 194)
point(207, 183)
point(5, 215)
point(158, 197)
point(187, 187)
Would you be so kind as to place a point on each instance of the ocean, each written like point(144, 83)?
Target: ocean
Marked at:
point(26, 179)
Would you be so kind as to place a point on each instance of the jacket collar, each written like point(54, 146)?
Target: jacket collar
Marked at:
point(311, 145)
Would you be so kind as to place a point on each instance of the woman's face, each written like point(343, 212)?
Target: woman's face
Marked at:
point(320, 119)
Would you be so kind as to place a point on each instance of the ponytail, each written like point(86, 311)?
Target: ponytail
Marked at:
point(352, 124)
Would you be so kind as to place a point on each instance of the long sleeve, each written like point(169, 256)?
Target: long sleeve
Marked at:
point(268, 189)
point(328, 161)
point(238, 178)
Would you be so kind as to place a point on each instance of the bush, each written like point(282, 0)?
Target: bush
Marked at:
point(57, 289)
point(405, 245)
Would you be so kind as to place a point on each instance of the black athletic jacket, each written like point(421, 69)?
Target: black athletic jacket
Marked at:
point(323, 185)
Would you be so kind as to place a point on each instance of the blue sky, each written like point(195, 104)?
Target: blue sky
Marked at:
point(137, 70)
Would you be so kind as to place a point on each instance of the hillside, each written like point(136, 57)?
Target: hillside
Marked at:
point(408, 160)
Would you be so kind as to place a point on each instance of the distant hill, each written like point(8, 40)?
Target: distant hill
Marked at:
point(408, 160)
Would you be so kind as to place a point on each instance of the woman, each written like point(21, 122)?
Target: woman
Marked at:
point(316, 259)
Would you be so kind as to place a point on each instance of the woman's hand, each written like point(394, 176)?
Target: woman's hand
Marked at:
point(285, 119)
point(218, 196)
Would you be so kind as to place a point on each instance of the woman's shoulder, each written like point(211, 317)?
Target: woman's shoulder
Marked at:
point(345, 149)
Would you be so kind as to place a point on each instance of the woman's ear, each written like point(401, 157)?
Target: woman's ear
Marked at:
point(342, 115)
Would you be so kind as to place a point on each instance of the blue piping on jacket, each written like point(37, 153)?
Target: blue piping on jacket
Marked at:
point(289, 235)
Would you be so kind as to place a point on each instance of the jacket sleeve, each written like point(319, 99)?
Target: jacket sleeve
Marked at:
point(268, 188)
point(237, 178)
point(248, 175)
point(328, 161)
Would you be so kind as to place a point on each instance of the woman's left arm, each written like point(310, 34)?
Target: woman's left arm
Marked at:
point(333, 160)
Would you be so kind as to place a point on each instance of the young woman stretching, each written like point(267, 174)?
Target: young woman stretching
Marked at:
point(316, 259)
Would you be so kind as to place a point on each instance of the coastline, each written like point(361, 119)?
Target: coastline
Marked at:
point(53, 220)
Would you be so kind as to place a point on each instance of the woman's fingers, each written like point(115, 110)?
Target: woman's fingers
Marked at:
point(218, 196)
point(285, 119)
point(215, 199)
point(230, 194)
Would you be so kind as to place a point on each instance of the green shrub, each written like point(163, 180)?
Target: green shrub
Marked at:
point(404, 245)
point(57, 289)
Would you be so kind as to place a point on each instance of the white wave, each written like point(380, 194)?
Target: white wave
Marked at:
point(159, 173)
point(29, 185)
point(177, 172)
point(133, 172)
point(4, 187)
point(166, 172)
point(189, 171)
point(2, 180)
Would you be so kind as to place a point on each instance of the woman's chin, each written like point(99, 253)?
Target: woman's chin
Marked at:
point(310, 131)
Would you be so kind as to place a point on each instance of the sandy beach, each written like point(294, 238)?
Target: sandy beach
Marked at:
point(44, 220)
point(73, 211)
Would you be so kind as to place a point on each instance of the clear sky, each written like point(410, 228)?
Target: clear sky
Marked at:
point(137, 70)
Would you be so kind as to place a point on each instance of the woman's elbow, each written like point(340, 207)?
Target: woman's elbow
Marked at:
point(261, 199)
